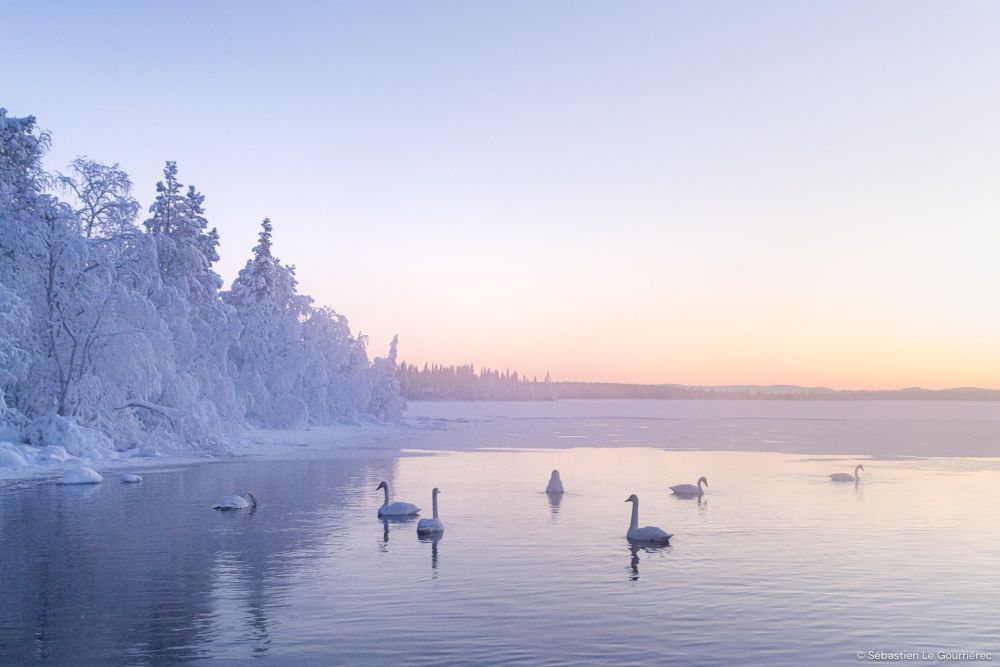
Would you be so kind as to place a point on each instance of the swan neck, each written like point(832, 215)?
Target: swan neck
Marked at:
point(434, 503)
point(385, 490)
point(699, 485)
point(857, 474)
point(635, 515)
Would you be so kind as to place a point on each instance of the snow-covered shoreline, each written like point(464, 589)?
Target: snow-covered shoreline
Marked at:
point(20, 461)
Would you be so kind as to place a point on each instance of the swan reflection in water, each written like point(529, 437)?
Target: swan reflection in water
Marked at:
point(554, 500)
point(384, 545)
point(634, 550)
point(433, 538)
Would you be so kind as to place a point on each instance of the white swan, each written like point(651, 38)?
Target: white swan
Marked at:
point(435, 525)
point(238, 502)
point(555, 483)
point(396, 508)
point(690, 489)
point(847, 477)
point(646, 534)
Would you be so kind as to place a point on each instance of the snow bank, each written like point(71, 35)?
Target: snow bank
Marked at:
point(11, 457)
point(81, 473)
point(90, 450)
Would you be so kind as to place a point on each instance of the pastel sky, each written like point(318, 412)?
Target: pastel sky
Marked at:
point(699, 192)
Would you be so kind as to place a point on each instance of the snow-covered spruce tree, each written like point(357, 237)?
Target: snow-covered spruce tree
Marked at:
point(269, 355)
point(386, 402)
point(198, 399)
point(295, 363)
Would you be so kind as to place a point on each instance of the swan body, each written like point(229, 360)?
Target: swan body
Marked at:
point(555, 483)
point(690, 489)
point(238, 502)
point(645, 534)
point(397, 508)
point(435, 525)
point(846, 476)
point(131, 479)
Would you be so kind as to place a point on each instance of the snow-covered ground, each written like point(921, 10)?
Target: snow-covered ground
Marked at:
point(23, 461)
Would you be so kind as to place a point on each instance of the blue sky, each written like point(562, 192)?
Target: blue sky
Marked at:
point(700, 192)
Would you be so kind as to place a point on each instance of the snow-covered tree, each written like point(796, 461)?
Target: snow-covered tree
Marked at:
point(202, 327)
point(103, 193)
point(112, 334)
point(268, 353)
point(386, 402)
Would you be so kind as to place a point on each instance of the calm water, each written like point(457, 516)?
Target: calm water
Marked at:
point(775, 565)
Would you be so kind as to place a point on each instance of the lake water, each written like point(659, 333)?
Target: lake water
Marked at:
point(774, 565)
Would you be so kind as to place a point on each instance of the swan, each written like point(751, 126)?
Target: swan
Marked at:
point(555, 483)
point(847, 477)
point(435, 525)
point(690, 489)
point(238, 502)
point(646, 534)
point(396, 508)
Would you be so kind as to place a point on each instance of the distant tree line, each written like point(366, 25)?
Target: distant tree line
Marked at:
point(465, 383)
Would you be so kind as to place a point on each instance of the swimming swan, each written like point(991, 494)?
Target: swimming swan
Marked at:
point(238, 502)
point(435, 525)
point(555, 483)
point(690, 489)
point(646, 534)
point(396, 508)
point(847, 477)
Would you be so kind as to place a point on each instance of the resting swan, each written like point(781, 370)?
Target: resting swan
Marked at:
point(847, 477)
point(555, 483)
point(238, 502)
point(397, 508)
point(646, 534)
point(435, 525)
point(690, 489)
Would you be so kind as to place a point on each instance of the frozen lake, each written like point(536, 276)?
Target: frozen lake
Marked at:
point(775, 565)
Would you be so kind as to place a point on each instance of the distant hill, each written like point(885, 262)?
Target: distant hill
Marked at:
point(765, 392)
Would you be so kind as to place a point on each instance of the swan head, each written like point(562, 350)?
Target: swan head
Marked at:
point(555, 474)
point(703, 480)
point(252, 498)
point(435, 491)
point(632, 499)
point(860, 467)
point(381, 485)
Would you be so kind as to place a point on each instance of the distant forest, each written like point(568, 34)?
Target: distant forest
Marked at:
point(463, 383)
